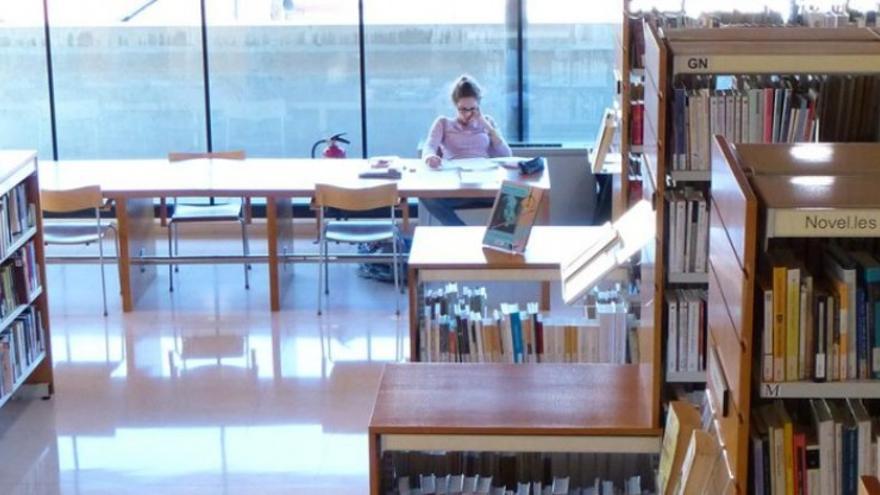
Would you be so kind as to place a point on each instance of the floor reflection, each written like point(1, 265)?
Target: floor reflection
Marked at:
point(205, 392)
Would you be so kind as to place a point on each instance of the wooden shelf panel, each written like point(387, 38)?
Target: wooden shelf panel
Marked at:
point(809, 158)
point(686, 377)
point(514, 399)
point(864, 389)
point(600, 444)
point(773, 34)
point(15, 166)
point(691, 175)
point(688, 278)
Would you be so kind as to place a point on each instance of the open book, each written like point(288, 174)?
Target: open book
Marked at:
point(513, 215)
point(613, 246)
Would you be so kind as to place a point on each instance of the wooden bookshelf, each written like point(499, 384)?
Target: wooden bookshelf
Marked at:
point(444, 254)
point(471, 407)
point(19, 168)
point(751, 185)
point(673, 55)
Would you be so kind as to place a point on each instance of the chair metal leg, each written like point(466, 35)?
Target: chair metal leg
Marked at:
point(101, 258)
point(176, 246)
point(244, 250)
point(326, 268)
point(396, 276)
point(170, 255)
point(247, 246)
point(320, 275)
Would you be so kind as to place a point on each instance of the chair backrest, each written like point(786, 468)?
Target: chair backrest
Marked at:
point(175, 156)
point(75, 199)
point(356, 199)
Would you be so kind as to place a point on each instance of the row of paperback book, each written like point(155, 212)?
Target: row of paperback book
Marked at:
point(19, 278)
point(837, 17)
point(686, 324)
point(17, 215)
point(21, 344)
point(713, 19)
point(813, 447)
point(688, 221)
point(821, 313)
point(770, 109)
point(491, 473)
point(829, 15)
point(769, 112)
point(463, 331)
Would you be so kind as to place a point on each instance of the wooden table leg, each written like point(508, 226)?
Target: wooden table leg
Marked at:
point(163, 212)
point(544, 219)
point(134, 217)
point(272, 241)
point(279, 232)
point(544, 210)
point(413, 287)
point(404, 214)
point(545, 296)
point(375, 464)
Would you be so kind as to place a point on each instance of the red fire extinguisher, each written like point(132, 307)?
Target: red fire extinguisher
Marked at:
point(333, 150)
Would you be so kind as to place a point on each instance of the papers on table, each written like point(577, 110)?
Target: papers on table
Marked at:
point(469, 164)
point(478, 177)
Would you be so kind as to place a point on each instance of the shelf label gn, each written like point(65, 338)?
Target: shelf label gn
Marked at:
point(776, 63)
point(823, 223)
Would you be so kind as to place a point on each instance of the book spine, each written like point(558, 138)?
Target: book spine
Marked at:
point(516, 328)
point(792, 320)
point(779, 302)
point(767, 338)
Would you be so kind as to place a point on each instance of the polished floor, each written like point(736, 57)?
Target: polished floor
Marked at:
point(204, 390)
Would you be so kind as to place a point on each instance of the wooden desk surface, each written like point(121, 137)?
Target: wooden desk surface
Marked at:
point(281, 177)
point(462, 248)
point(513, 399)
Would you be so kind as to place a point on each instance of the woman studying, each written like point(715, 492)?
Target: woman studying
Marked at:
point(469, 135)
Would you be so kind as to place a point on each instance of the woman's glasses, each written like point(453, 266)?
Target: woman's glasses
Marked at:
point(466, 109)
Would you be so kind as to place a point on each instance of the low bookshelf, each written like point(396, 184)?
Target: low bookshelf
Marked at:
point(25, 353)
point(443, 254)
point(519, 409)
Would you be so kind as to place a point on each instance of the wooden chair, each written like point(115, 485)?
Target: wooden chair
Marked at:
point(355, 231)
point(221, 212)
point(71, 200)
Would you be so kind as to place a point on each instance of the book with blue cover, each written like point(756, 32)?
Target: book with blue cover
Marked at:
point(513, 216)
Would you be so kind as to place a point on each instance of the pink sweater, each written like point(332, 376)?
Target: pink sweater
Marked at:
point(455, 140)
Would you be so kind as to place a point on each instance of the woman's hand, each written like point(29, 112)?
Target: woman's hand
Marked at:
point(433, 161)
point(483, 121)
point(487, 124)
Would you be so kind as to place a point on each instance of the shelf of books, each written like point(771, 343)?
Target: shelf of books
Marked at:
point(453, 320)
point(437, 428)
point(631, 67)
point(749, 84)
point(802, 221)
point(25, 356)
